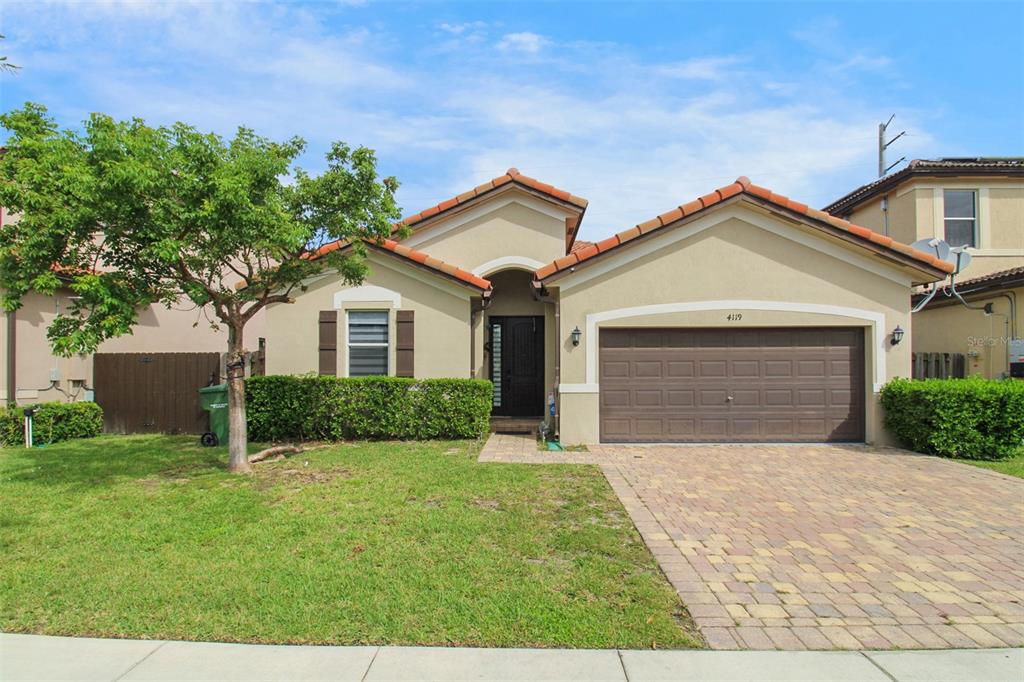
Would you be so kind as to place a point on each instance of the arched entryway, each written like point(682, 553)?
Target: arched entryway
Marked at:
point(517, 329)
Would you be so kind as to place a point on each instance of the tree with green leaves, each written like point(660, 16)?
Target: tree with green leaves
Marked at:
point(128, 215)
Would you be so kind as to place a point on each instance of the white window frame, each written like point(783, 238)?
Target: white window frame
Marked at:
point(349, 344)
point(976, 233)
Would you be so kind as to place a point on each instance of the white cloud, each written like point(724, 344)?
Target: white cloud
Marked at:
point(700, 68)
point(525, 42)
point(635, 136)
point(463, 28)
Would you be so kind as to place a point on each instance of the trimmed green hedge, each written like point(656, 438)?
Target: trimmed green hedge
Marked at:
point(52, 422)
point(332, 408)
point(970, 418)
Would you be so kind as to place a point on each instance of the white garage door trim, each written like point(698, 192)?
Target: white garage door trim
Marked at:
point(876, 320)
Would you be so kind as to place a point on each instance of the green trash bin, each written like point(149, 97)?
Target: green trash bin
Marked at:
point(214, 400)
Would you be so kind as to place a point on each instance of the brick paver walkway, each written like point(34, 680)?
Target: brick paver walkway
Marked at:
point(824, 547)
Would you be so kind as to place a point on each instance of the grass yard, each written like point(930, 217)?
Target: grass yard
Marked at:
point(369, 543)
point(1011, 466)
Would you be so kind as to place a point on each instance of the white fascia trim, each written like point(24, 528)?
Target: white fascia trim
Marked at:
point(876, 319)
point(367, 292)
point(445, 225)
point(435, 281)
point(505, 262)
point(659, 242)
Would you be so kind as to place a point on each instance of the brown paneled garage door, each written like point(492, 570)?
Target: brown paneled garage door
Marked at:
point(707, 385)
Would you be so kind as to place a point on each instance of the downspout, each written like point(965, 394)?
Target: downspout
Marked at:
point(12, 365)
point(12, 347)
point(557, 421)
point(1011, 321)
point(485, 302)
point(544, 296)
point(885, 215)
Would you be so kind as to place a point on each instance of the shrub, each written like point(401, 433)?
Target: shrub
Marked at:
point(51, 423)
point(971, 418)
point(333, 408)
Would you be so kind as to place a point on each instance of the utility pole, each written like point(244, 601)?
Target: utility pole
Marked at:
point(883, 145)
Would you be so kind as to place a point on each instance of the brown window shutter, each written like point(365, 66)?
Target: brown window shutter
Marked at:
point(404, 343)
point(328, 342)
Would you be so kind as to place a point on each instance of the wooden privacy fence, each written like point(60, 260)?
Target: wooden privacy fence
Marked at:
point(939, 365)
point(159, 392)
point(153, 392)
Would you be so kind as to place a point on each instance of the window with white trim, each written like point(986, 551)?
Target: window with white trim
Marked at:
point(960, 209)
point(368, 347)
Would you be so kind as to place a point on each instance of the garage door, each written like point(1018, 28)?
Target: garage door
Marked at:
point(756, 385)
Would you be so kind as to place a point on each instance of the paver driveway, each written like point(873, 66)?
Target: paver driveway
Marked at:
point(795, 547)
point(821, 547)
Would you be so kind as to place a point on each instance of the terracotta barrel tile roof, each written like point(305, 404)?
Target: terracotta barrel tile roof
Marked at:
point(579, 245)
point(742, 185)
point(433, 263)
point(511, 175)
point(415, 256)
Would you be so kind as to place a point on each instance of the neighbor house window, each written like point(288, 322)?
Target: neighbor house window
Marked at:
point(961, 217)
point(367, 343)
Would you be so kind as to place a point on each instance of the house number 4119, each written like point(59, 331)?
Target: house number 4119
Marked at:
point(734, 317)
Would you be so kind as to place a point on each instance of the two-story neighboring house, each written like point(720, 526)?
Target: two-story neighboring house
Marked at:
point(146, 380)
point(977, 203)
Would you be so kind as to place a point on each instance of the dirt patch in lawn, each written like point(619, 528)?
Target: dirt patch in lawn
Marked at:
point(296, 474)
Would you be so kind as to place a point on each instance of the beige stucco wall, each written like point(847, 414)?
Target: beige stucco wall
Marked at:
point(42, 376)
point(733, 260)
point(159, 331)
point(953, 328)
point(903, 212)
point(916, 212)
point(526, 227)
point(441, 328)
point(181, 329)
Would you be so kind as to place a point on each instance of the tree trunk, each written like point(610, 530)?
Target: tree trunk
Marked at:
point(238, 440)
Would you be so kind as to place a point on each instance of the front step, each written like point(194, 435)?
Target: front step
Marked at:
point(515, 424)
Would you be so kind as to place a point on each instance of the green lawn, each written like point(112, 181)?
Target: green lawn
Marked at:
point(382, 543)
point(1012, 466)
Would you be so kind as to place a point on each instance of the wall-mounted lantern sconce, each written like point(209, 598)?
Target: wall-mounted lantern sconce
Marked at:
point(897, 336)
point(576, 334)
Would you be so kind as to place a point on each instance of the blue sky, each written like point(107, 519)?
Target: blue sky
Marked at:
point(638, 107)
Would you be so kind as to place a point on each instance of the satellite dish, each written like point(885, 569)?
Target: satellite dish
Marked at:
point(957, 255)
point(960, 259)
point(934, 246)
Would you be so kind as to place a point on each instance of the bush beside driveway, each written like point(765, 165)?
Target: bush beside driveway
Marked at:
point(356, 543)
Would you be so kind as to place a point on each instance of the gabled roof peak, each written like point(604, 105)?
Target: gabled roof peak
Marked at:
point(512, 175)
point(743, 186)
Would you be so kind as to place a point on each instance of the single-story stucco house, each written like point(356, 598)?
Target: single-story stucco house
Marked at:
point(739, 316)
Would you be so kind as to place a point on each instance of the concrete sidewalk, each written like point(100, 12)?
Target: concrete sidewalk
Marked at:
point(34, 657)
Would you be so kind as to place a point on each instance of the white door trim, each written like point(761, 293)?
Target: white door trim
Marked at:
point(876, 320)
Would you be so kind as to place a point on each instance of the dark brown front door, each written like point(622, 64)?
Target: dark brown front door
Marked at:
point(517, 365)
point(755, 385)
